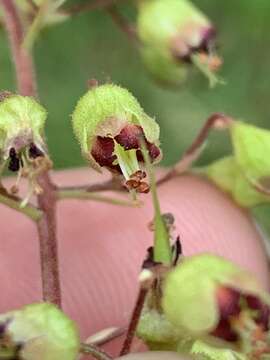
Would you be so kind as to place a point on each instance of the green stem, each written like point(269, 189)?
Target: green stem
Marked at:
point(205, 70)
point(32, 212)
point(162, 247)
point(85, 195)
point(36, 26)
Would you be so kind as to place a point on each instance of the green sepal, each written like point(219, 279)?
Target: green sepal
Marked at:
point(21, 117)
point(246, 173)
point(251, 147)
point(163, 67)
point(159, 24)
point(155, 328)
point(192, 285)
point(229, 177)
point(208, 352)
point(159, 21)
point(44, 331)
point(104, 111)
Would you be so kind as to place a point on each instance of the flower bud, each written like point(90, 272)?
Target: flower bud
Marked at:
point(110, 124)
point(205, 294)
point(39, 331)
point(175, 34)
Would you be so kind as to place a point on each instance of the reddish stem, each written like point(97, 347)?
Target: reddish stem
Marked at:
point(88, 6)
point(26, 83)
point(25, 75)
point(134, 321)
point(215, 121)
point(48, 242)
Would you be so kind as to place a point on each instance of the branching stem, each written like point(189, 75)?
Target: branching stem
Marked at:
point(25, 75)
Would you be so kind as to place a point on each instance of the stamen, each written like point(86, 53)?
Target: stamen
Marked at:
point(34, 151)
point(14, 163)
point(203, 62)
point(127, 160)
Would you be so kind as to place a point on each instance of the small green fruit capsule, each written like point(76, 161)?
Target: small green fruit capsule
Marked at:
point(39, 332)
point(174, 34)
point(110, 125)
point(22, 121)
point(205, 290)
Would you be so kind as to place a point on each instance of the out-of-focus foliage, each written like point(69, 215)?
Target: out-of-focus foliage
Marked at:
point(90, 46)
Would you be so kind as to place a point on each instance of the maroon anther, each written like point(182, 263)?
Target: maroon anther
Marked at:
point(263, 311)
point(224, 331)
point(129, 137)
point(228, 302)
point(102, 151)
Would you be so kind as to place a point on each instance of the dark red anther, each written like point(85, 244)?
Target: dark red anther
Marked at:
point(129, 137)
point(228, 302)
point(14, 162)
point(102, 151)
point(224, 331)
point(263, 311)
point(34, 151)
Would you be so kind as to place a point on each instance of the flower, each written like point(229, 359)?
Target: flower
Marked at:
point(38, 331)
point(110, 126)
point(22, 149)
point(206, 294)
point(175, 34)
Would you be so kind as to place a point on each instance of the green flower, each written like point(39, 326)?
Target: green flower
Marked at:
point(22, 121)
point(175, 34)
point(205, 292)
point(110, 124)
point(38, 332)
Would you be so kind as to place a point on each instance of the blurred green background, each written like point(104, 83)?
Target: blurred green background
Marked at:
point(91, 46)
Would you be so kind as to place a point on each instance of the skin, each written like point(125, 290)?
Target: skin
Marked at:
point(102, 246)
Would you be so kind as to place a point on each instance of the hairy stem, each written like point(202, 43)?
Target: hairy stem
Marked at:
point(26, 83)
point(162, 247)
point(25, 75)
point(48, 242)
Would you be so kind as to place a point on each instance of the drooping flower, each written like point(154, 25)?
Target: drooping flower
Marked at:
point(110, 126)
point(22, 148)
point(38, 331)
point(175, 34)
point(206, 295)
